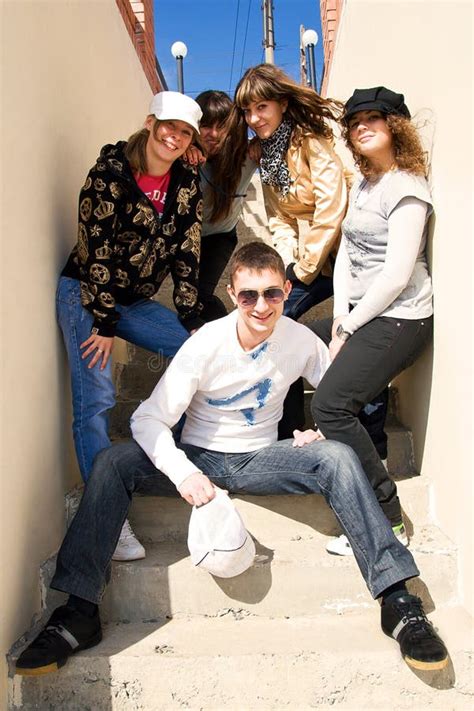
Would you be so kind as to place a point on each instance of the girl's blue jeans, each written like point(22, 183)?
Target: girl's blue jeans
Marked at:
point(145, 323)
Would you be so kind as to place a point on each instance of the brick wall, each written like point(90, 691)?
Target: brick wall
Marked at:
point(330, 15)
point(138, 19)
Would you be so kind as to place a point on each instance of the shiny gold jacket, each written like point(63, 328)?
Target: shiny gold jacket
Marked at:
point(317, 195)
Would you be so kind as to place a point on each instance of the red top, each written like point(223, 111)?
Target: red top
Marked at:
point(155, 188)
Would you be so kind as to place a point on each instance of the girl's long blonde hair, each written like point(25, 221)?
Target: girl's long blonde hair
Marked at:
point(135, 150)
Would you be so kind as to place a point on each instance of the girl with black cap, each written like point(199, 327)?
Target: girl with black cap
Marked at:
point(382, 289)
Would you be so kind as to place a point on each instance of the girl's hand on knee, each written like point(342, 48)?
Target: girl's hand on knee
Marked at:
point(335, 346)
point(100, 347)
point(335, 324)
point(306, 437)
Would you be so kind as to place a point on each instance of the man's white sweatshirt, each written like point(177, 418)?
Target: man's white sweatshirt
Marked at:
point(233, 399)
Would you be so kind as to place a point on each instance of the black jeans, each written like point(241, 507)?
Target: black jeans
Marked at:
point(371, 358)
point(216, 250)
point(302, 298)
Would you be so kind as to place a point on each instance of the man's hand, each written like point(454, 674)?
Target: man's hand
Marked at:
point(100, 347)
point(197, 489)
point(306, 437)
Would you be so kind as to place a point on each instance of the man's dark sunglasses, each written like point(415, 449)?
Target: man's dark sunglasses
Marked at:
point(249, 297)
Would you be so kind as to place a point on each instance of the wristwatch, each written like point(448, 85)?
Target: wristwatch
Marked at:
point(343, 335)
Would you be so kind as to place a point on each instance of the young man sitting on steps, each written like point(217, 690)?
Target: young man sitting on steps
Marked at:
point(230, 378)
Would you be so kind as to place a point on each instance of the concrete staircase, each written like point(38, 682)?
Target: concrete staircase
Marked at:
point(297, 631)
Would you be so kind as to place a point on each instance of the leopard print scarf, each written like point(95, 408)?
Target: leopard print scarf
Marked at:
point(273, 169)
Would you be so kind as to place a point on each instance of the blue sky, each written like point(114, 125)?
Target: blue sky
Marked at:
point(210, 28)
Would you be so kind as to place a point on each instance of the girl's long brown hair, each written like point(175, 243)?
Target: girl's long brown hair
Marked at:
point(309, 112)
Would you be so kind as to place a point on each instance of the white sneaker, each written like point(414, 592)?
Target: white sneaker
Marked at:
point(128, 546)
point(341, 545)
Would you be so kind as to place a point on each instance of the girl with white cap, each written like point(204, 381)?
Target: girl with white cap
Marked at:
point(139, 220)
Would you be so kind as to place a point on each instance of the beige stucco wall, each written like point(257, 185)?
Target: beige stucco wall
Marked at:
point(71, 81)
point(423, 48)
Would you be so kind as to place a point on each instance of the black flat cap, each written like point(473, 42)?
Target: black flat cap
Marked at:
point(376, 99)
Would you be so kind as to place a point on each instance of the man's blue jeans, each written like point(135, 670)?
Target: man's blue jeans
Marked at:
point(327, 468)
point(145, 323)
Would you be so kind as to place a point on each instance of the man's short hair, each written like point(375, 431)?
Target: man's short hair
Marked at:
point(256, 256)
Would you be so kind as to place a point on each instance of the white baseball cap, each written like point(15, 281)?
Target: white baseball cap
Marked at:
point(217, 539)
point(173, 105)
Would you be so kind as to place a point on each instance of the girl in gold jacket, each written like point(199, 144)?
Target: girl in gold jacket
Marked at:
point(303, 178)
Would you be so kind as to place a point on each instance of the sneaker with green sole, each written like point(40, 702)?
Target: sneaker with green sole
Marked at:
point(341, 545)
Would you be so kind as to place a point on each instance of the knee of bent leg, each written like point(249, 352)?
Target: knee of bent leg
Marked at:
point(342, 462)
point(322, 408)
point(111, 461)
point(341, 454)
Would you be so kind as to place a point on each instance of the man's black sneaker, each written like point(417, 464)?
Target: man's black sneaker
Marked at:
point(67, 632)
point(404, 619)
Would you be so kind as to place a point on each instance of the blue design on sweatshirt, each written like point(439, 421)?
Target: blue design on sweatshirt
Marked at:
point(263, 389)
point(256, 354)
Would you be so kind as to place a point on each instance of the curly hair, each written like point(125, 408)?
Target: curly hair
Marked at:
point(409, 152)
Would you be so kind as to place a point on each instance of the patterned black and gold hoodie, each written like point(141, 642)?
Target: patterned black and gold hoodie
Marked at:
point(124, 250)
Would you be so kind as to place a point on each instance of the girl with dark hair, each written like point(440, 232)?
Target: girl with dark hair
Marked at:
point(223, 188)
point(383, 301)
point(139, 220)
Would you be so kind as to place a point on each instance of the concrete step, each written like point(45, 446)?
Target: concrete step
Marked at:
point(292, 576)
point(254, 218)
point(269, 518)
point(238, 662)
point(158, 519)
point(255, 231)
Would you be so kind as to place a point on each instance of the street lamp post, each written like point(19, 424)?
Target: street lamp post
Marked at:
point(310, 40)
point(179, 51)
